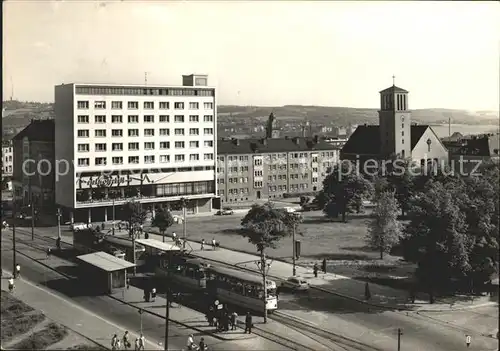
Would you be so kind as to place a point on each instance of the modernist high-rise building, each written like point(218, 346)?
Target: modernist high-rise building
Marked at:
point(154, 144)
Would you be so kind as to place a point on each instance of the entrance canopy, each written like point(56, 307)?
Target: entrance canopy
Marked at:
point(105, 262)
point(158, 245)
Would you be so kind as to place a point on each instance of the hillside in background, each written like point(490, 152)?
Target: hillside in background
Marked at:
point(17, 114)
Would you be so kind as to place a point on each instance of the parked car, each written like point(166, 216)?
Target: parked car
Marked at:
point(225, 212)
point(79, 226)
point(296, 284)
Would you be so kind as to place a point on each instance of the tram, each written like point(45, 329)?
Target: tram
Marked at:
point(240, 288)
point(85, 241)
point(186, 271)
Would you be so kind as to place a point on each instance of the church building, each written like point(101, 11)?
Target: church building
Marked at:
point(395, 136)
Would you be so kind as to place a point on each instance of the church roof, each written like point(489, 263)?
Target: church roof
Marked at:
point(366, 139)
point(393, 89)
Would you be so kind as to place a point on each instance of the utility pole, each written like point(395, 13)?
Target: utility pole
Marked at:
point(32, 218)
point(14, 236)
point(113, 229)
point(169, 296)
point(262, 267)
point(184, 204)
point(294, 270)
point(400, 332)
point(59, 223)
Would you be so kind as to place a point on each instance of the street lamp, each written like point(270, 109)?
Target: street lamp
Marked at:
point(59, 224)
point(184, 204)
point(113, 228)
point(400, 332)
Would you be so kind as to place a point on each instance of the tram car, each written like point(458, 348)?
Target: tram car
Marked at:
point(86, 241)
point(186, 271)
point(239, 288)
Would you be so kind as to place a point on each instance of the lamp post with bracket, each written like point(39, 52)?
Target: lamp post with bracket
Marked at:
point(264, 269)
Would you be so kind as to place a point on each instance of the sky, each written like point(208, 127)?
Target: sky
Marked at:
point(261, 53)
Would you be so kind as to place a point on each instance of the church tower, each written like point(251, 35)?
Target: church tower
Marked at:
point(394, 123)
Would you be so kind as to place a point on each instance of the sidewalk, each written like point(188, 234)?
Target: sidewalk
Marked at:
point(179, 314)
point(66, 313)
point(382, 296)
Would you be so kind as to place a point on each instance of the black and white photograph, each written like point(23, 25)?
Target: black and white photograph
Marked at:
point(198, 175)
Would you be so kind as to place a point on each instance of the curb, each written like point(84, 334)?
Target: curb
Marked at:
point(74, 331)
point(129, 304)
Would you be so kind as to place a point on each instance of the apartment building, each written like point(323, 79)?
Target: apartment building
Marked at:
point(153, 144)
point(7, 158)
point(33, 160)
point(269, 168)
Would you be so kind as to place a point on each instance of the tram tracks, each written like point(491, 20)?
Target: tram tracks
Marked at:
point(278, 339)
point(303, 327)
point(328, 335)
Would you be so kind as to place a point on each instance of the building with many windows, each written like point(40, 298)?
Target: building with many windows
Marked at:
point(33, 160)
point(7, 158)
point(269, 168)
point(154, 144)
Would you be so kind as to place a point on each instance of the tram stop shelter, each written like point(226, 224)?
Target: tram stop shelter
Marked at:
point(105, 273)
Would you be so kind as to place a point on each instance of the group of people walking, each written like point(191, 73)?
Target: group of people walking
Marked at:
point(223, 320)
point(116, 343)
point(17, 274)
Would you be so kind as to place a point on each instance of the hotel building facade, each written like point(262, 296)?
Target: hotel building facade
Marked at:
point(152, 144)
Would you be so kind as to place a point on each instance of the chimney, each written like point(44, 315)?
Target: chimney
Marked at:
point(296, 140)
point(263, 141)
point(316, 139)
point(236, 141)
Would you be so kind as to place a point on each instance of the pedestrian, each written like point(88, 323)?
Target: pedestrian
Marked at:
point(11, 284)
point(137, 343)
point(146, 235)
point(142, 342)
point(315, 270)
point(153, 294)
point(114, 342)
point(49, 251)
point(210, 316)
point(248, 323)
point(126, 340)
point(202, 244)
point(368, 294)
point(203, 346)
point(128, 283)
point(18, 271)
point(323, 265)
point(234, 316)
point(213, 244)
point(174, 237)
point(58, 243)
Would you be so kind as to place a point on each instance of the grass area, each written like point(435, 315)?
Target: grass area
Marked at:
point(42, 339)
point(17, 317)
point(343, 245)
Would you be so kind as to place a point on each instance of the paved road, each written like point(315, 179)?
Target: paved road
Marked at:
point(379, 327)
point(116, 312)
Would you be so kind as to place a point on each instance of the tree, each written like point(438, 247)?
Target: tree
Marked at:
point(163, 220)
point(347, 188)
point(436, 238)
point(135, 216)
point(384, 230)
point(401, 179)
point(264, 226)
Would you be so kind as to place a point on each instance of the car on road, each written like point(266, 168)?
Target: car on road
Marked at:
point(79, 226)
point(289, 209)
point(296, 284)
point(227, 211)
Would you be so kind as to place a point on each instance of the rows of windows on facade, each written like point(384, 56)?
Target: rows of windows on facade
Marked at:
point(161, 125)
point(280, 167)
